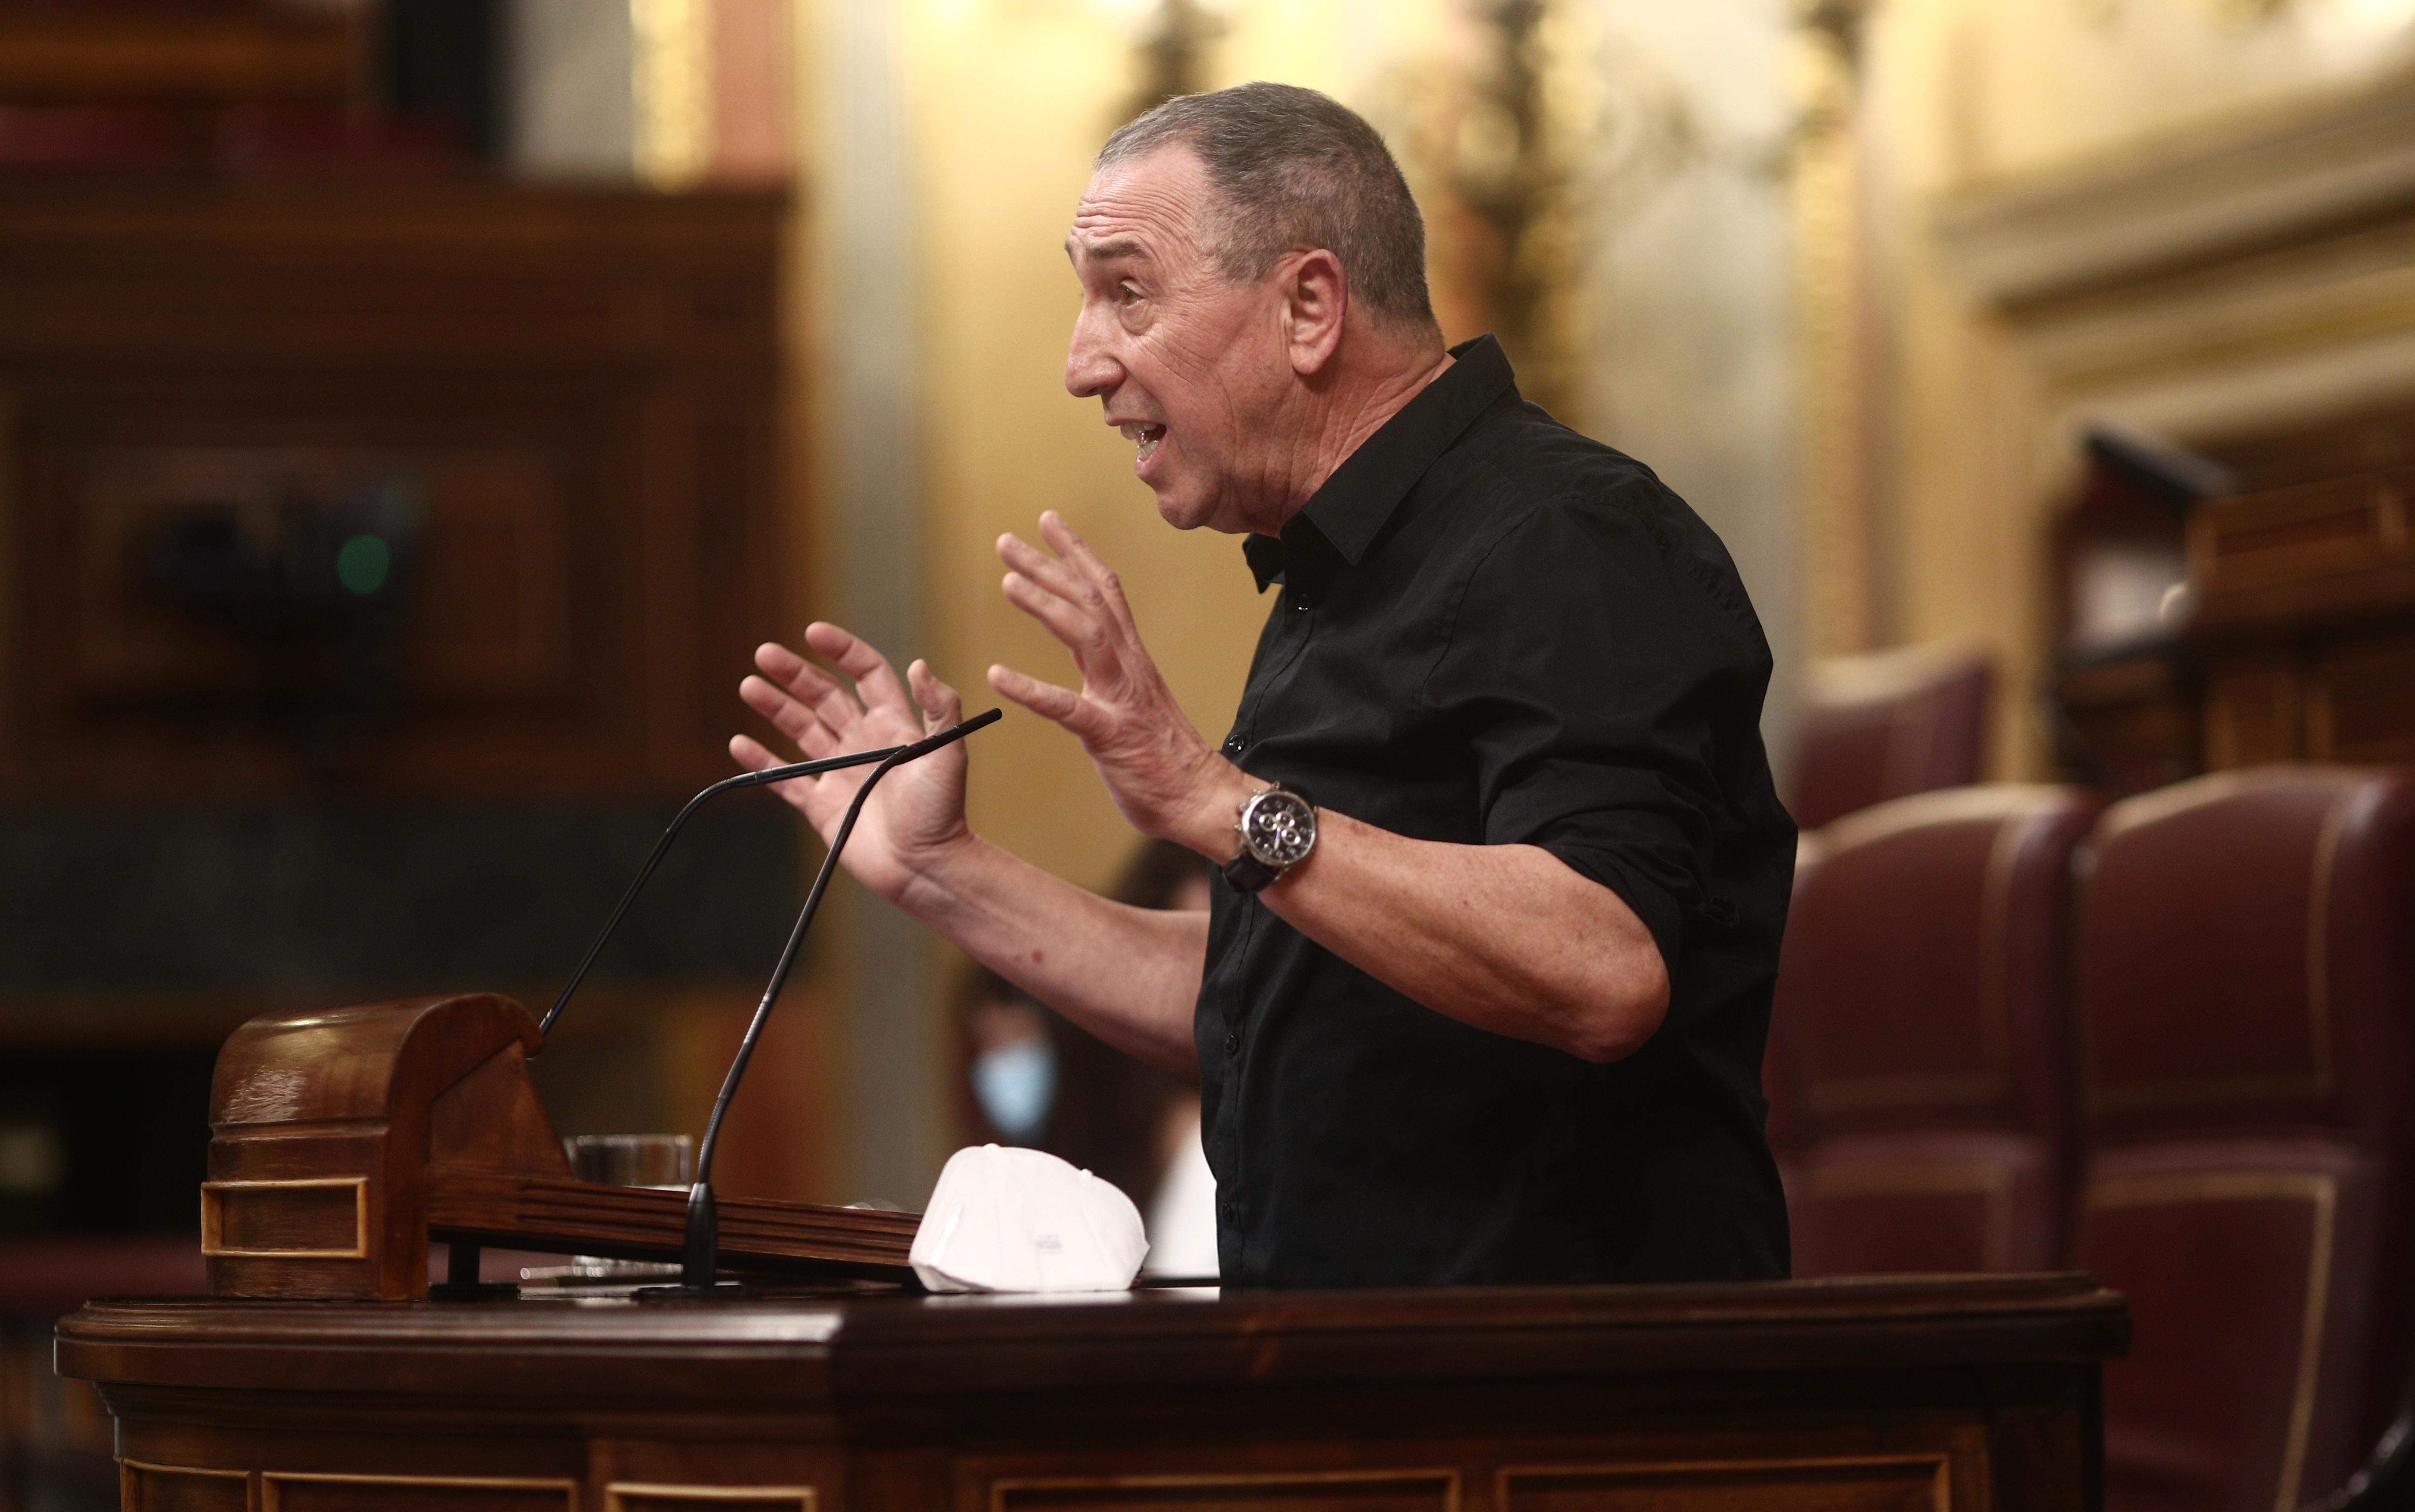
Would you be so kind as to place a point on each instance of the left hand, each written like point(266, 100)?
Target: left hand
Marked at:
point(1169, 783)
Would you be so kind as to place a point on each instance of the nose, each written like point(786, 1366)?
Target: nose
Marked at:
point(1090, 369)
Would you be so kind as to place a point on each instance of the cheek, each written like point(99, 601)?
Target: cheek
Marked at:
point(1210, 379)
point(1188, 358)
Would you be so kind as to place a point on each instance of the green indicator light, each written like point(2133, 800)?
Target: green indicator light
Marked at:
point(363, 563)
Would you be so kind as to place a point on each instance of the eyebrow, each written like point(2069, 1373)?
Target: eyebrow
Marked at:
point(1102, 251)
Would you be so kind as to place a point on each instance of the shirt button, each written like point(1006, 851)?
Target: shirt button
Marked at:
point(1232, 1044)
point(1233, 744)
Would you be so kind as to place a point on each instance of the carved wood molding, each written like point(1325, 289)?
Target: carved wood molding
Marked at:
point(2253, 180)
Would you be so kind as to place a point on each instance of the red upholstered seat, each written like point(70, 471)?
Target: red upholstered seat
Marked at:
point(1887, 726)
point(2247, 1008)
point(1919, 1039)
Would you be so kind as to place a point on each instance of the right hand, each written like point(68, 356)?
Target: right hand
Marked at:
point(916, 818)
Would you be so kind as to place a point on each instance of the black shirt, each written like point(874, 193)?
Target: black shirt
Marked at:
point(1494, 630)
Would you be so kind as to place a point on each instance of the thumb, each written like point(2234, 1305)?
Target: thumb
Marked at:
point(941, 705)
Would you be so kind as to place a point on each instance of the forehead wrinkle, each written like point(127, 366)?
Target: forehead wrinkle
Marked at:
point(1080, 249)
point(1148, 209)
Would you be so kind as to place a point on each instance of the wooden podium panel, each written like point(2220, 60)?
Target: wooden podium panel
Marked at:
point(343, 1141)
point(1853, 1395)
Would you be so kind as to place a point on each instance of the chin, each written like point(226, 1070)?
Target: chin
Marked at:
point(1182, 512)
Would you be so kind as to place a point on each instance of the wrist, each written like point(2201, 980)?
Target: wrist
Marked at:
point(1208, 822)
point(942, 875)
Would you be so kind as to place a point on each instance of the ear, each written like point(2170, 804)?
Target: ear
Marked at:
point(1316, 297)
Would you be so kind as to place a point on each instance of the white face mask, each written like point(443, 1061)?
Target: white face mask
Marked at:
point(1015, 1083)
point(1024, 1220)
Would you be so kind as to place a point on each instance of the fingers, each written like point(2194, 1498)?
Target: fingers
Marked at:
point(819, 732)
point(876, 682)
point(782, 665)
point(1075, 596)
point(1085, 632)
point(755, 756)
point(750, 753)
point(790, 717)
point(1055, 576)
point(1062, 538)
point(809, 796)
point(1075, 573)
point(818, 690)
point(1045, 699)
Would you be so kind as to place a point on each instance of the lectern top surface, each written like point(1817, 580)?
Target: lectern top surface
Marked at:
point(829, 1347)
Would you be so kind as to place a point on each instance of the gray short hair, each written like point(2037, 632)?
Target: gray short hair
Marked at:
point(1297, 169)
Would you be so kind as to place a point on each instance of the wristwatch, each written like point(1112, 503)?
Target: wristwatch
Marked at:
point(1278, 830)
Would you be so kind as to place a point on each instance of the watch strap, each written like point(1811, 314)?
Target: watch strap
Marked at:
point(1245, 873)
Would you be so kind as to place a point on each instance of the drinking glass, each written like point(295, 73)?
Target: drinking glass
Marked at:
point(667, 1161)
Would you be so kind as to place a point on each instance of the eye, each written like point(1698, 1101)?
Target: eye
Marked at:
point(1127, 293)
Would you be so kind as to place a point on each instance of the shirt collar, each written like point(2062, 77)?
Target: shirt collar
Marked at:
point(1354, 503)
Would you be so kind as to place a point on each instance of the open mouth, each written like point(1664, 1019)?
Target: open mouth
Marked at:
point(1144, 436)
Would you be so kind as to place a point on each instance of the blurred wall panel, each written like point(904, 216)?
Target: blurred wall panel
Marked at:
point(1688, 350)
point(670, 93)
point(571, 398)
point(573, 111)
point(225, 55)
point(2089, 213)
point(377, 560)
point(750, 91)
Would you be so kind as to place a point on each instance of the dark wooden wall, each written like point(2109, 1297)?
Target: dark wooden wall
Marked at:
point(575, 393)
point(579, 389)
point(245, 277)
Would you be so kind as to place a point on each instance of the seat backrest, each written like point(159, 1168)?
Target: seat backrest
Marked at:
point(2246, 1009)
point(1919, 1036)
point(1886, 726)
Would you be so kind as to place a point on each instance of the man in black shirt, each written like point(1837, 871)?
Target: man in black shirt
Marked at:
point(1484, 994)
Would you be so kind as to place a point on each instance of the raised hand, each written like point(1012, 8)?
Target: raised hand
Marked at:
point(915, 816)
point(1168, 782)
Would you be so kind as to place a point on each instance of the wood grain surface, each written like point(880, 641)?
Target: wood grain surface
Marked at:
point(1866, 1394)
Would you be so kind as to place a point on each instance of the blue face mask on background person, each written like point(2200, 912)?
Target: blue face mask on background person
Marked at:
point(1015, 1083)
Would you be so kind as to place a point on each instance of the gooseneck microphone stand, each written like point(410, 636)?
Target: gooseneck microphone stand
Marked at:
point(699, 1251)
point(890, 753)
point(461, 1267)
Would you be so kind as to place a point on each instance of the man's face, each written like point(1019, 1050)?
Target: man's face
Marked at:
point(1191, 367)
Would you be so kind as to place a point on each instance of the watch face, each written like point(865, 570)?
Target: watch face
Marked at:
point(1279, 829)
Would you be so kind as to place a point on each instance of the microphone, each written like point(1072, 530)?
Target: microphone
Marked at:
point(679, 822)
point(701, 1244)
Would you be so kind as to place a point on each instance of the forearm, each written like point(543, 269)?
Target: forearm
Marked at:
point(1506, 938)
point(1129, 976)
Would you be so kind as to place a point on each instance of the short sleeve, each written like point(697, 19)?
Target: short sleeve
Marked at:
point(1590, 671)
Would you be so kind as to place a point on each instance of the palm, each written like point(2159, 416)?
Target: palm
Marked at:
point(916, 809)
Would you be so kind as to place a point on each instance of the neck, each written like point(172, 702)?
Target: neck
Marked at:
point(1357, 398)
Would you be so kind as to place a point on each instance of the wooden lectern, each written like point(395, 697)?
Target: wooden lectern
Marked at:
point(318, 1378)
point(342, 1143)
point(1929, 1393)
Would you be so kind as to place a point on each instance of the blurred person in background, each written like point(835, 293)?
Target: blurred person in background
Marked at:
point(1034, 1079)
